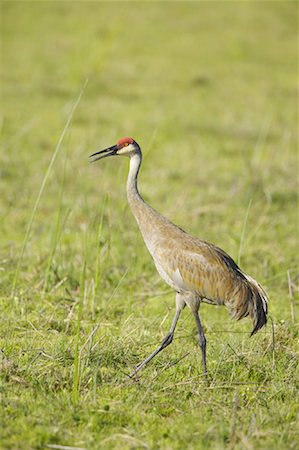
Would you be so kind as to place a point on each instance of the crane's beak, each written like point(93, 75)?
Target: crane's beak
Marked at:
point(110, 151)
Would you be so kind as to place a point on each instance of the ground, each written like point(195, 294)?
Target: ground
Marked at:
point(208, 90)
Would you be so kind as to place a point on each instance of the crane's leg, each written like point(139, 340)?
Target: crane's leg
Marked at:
point(180, 304)
point(202, 342)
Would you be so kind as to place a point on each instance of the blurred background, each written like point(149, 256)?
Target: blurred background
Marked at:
point(208, 90)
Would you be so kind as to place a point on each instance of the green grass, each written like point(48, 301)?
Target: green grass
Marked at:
point(209, 91)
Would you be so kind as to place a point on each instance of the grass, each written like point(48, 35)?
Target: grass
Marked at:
point(208, 90)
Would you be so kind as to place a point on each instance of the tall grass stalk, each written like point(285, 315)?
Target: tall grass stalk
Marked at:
point(82, 301)
point(98, 256)
point(42, 188)
point(57, 229)
point(76, 377)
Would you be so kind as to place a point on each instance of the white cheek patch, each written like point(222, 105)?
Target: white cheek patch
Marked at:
point(125, 150)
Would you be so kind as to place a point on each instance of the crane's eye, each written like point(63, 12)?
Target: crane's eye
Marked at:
point(126, 144)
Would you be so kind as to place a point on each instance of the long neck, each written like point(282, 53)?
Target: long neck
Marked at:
point(150, 222)
point(132, 190)
point(140, 209)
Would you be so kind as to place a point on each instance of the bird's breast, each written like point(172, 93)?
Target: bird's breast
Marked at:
point(173, 279)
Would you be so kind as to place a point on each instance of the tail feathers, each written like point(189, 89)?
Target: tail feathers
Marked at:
point(252, 300)
point(258, 309)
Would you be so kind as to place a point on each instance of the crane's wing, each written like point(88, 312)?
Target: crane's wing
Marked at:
point(209, 272)
point(201, 268)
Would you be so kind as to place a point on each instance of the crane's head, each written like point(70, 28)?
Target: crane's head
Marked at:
point(124, 147)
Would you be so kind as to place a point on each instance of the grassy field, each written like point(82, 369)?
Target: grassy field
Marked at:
point(209, 91)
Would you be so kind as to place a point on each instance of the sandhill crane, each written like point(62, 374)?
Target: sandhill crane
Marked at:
point(197, 270)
